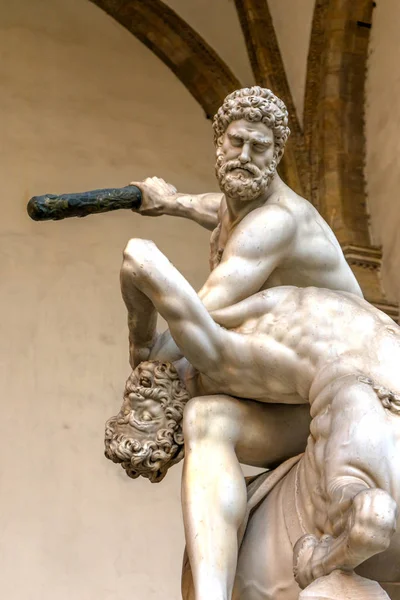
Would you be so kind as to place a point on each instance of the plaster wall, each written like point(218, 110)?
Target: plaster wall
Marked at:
point(292, 21)
point(383, 140)
point(83, 105)
point(218, 24)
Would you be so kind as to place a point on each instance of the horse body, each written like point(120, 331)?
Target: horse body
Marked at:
point(358, 463)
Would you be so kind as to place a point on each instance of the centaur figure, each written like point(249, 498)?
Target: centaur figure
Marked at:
point(335, 507)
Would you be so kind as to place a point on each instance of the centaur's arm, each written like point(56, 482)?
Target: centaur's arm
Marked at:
point(148, 272)
point(142, 319)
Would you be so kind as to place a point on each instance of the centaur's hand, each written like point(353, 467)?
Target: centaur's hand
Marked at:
point(138, 354)
point(157, 196)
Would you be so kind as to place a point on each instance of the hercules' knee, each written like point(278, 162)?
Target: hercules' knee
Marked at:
point(137, 249)
point(210, 417)
point(128, 257)
point(194, 419)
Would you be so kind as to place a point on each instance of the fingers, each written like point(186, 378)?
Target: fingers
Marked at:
point(156, 196)
point(155, 183)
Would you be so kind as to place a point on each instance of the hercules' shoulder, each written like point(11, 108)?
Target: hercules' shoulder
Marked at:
point(270, 218)
point(267, 231)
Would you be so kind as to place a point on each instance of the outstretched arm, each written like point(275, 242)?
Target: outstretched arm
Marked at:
point(198, 337)
point(161, 198)
point(258, 244)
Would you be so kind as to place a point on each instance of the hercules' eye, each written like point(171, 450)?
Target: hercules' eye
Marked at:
point(260, 147)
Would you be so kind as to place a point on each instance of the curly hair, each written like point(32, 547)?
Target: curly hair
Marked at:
point(390, 400)
point(255, 104)
point(152, 457)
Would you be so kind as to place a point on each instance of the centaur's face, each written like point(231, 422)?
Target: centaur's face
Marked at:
point(142, 415)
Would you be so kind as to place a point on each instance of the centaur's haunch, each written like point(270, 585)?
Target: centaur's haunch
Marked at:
point(336, 506)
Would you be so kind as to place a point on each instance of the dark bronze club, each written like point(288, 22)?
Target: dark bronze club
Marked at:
point(52, 207)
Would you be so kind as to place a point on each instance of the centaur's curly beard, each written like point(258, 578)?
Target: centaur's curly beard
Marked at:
point(239, 186)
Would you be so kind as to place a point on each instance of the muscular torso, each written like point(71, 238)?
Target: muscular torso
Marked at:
point(277, 240)
point(294, 341)
point(342, 355)
point(314, 258)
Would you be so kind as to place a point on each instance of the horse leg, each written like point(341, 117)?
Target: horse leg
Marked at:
point(370, 525)
point(356, 471)
point(341, 584)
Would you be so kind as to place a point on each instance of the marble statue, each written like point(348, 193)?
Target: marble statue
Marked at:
point(264, 234)
point(253, 350)
point(249, 368)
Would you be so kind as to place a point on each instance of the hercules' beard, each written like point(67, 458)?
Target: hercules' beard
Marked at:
point(239, 187)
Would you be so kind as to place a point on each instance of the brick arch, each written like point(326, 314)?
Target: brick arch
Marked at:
point(180, 47)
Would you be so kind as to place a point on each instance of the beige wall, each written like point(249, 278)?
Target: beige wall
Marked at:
point(383, 139)
point(218, 24)
point(83, 105)
point(292, 22)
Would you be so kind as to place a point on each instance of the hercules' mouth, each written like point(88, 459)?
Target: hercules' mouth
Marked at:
point(242, 170)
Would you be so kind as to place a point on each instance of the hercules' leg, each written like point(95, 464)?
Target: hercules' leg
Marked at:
point(220, 432)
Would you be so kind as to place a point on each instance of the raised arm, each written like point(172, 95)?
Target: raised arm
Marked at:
point(161, 198)
point(259, 244)
point(199, 338)
point(142, 319)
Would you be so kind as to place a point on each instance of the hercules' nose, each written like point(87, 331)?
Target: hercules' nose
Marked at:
point(245, 154)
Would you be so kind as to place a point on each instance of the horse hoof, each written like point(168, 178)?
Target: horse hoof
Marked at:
point(340, 585)
point(302, 555)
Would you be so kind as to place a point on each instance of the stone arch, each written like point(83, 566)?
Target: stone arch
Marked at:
point(180, 47)
point(269, 71)
point(334, 114)
point(331, 147)
point(334, 133)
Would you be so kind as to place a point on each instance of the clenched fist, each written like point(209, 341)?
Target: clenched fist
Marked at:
point(155, 195)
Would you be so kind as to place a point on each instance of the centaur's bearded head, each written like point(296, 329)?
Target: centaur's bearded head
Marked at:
point(146, 436)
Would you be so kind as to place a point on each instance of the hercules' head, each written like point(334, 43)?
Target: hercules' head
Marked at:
point(250, 133)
